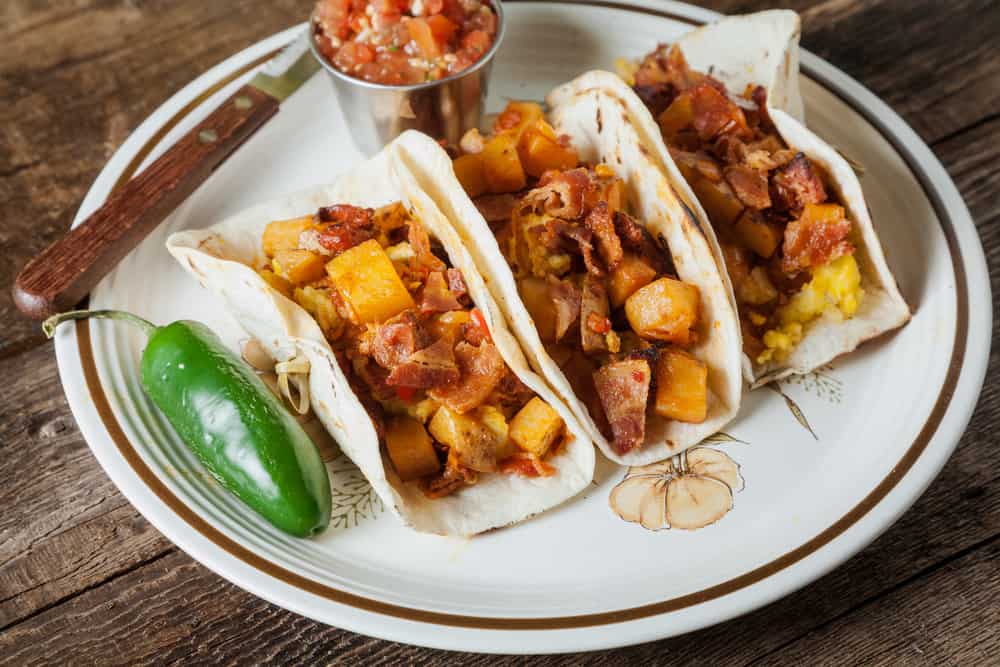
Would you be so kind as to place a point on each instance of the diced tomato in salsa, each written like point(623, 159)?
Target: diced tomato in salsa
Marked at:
point(386, 41)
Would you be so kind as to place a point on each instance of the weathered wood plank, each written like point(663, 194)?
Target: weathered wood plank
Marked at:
point(66, 530)
point(221, 623)
point(71, 101)
point(65, 526)
point(936, 65)
point(947, 618)
point(76, 79)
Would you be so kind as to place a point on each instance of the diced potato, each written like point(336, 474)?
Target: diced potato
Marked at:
point(681, 387)
point(756, 288)
point(536, 427)
point(678, 116)
point(284, 234)
point(502, 166)
point(277, 282)
point(540, 150)
point(538, 300)
point(665, 309)
point(757, 234)
point(493, 419)
point(632, 273)
point(410, 449)
point(319, 304)
point(366, 278)
point(423, 409)
point(718, 200)
point(470, 173)
point(517, 117)
point(472, 443)
point(687, 164)
point(821, 213)
point(298, 266)
point(449, 325)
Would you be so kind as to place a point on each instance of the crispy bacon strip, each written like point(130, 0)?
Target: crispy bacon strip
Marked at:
point(456, 283)
point(566, 301)
point(601, 224)
point(810, 242)
point(432, 366)
point(481, 370)
point(623, 387)
point(397, 339)
point(796, 184)
point(347, 227)
point(560, 194)
point(635, 237)
point(574, 238)
point(749, 185)
point(715, 114)
point(436, 297)
point(420, 242)
point(593, 307)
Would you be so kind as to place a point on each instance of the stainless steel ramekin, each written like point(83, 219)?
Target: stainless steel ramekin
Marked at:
point(377, 113)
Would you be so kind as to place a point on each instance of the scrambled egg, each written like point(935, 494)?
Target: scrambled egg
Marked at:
point(835, 285)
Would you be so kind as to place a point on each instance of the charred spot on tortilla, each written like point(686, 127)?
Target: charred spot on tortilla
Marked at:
point(691, 216)
point(600, 120)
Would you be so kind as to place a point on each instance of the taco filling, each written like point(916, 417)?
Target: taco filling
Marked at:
point(415, 348)
point(604, 296)
point(786, 240)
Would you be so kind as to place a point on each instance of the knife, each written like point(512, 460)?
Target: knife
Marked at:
point(65, 272)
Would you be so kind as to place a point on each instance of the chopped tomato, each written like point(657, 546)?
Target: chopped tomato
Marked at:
point(480, 320)
point(477, 41)
point(433, 6)
point(420, 33)
point(405, 394)
point(442, 29)
point(598, 324)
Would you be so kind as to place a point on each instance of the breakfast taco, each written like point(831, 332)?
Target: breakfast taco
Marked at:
point(808, 272)
point(365, 289)
point(616, 295)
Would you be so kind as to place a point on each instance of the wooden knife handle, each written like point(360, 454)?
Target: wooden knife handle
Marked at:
point(68, 270)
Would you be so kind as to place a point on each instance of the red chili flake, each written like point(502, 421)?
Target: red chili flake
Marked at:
point(638, 376)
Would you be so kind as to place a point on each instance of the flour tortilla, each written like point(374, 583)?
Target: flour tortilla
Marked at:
point(223, 258)
point(763, 49)
point(600, 129)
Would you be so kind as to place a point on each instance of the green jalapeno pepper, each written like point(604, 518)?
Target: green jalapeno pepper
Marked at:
point(229, 418)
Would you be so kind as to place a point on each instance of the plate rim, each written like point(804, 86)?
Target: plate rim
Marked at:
point(963, 378)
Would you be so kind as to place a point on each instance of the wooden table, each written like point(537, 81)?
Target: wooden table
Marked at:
point(85, 579)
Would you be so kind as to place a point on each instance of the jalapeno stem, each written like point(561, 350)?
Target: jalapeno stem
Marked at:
point(49, 325)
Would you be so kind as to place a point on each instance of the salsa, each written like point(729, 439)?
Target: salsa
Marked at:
point(400, 42)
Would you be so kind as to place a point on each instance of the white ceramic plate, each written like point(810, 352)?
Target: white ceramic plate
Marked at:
point(881, 422)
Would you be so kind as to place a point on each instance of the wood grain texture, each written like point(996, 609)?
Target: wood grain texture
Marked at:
point(59, 277)
point(76, 77)
point(85, 580)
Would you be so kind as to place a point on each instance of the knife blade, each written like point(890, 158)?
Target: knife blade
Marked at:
point(64, 273)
